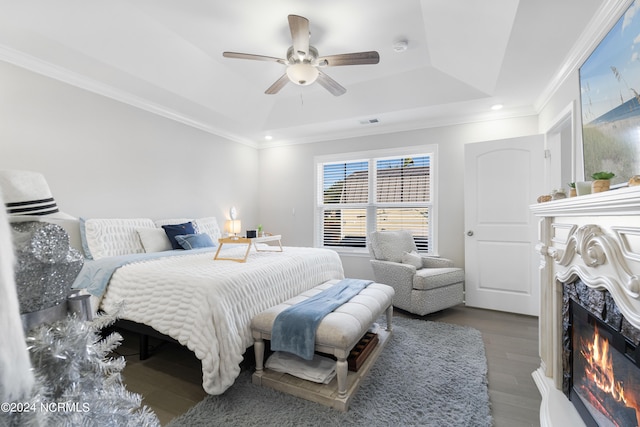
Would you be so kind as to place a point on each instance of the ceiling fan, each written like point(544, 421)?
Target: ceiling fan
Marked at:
point(303, 63)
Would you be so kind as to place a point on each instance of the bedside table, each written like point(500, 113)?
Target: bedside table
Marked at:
point(248, 242)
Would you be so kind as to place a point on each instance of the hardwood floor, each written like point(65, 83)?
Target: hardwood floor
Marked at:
point(170, 380)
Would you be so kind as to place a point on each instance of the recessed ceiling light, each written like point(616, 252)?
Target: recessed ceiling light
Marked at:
point(496, 107)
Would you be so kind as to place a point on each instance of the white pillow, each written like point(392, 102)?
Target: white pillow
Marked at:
point(412, 258)
point(154, 239)
point(113, 237)
point(210, 226)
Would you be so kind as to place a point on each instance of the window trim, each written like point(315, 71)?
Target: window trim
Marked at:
point(370, 155)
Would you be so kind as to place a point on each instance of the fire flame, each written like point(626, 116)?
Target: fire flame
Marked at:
point(599, 371)
point(599, 367)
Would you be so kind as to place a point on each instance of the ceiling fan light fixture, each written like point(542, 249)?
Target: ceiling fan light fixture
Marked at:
point(302, 73)
point(303, 63)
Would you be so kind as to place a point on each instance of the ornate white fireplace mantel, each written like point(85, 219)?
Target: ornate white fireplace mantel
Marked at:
point(595, 238)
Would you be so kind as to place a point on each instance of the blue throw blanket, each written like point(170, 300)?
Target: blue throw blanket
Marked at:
point(294, 329)
point(95, 274)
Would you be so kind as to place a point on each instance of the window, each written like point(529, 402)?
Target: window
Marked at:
point(382, 191)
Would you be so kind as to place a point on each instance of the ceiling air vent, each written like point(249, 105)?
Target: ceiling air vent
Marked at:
point(368, 121)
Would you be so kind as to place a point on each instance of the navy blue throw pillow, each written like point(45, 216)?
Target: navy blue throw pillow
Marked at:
point(174, 230)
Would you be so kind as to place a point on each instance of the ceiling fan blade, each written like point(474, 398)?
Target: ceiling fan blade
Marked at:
point(299, 27)
point(252, 57)
point(358, 58)
point(329, 84)
point(279, 84)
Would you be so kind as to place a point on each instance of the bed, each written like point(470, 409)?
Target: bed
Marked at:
point(204, 304)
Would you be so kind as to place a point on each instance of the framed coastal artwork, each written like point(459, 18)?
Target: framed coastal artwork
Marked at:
point(610, 98)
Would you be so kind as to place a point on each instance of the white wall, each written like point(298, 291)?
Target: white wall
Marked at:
point(103, 158)
point(567, 94)
point(566, 99)
point(286, 182)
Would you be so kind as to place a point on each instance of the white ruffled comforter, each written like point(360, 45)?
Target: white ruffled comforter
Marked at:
point(208, 305)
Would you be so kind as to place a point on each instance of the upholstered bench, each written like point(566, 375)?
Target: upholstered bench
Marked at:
point(337, 334)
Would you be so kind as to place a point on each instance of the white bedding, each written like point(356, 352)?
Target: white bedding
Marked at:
point(207, 305)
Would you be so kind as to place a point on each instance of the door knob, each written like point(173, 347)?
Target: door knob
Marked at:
point(470, 233)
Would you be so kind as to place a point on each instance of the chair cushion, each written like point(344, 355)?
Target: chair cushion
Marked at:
point(432, 278)
point(389, 245)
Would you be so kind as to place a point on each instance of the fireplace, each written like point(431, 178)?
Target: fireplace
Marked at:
point(601, 371)
point(589, 250)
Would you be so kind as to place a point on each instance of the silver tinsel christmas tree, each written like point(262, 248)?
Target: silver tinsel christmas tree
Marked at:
point(77, 383)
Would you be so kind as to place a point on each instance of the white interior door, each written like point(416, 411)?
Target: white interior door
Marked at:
point(502, 178)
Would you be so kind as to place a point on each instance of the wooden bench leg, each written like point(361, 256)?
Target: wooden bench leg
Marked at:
point(258, 348)
point(341, 372)
point(389, 317)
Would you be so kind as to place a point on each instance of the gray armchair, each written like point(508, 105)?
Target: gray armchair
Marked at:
point(422, 284)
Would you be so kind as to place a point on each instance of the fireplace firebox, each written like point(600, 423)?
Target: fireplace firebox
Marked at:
point(594, 238)
point(602, 359)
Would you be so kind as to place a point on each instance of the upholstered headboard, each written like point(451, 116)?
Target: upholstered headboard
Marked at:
point(104, 237)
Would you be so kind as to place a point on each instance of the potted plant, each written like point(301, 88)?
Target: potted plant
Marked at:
point(572, 189)
point(601, 181)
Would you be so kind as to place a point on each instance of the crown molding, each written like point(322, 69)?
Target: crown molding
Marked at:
point(410, 126)
point(64, 75)
point(601, 23)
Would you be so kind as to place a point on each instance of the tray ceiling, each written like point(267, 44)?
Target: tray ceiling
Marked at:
point(166, 56)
